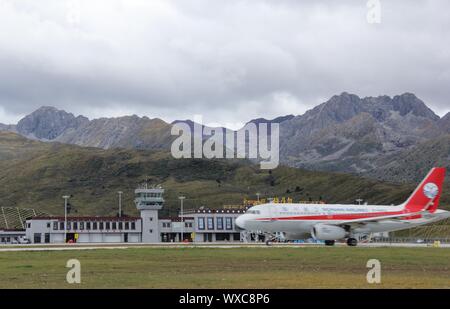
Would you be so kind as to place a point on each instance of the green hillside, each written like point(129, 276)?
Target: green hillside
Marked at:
point(36, 175)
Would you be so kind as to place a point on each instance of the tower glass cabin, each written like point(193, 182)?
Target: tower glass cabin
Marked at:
point(149, 200)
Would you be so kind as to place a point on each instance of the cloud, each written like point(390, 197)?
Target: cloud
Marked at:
point(228, 60)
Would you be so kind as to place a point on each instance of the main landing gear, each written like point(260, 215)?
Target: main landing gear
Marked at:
point(352, 242)
point(329, 242)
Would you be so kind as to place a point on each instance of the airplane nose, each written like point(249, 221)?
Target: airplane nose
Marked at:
point(240, 222)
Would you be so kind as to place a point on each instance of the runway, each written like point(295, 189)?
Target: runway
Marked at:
point(98, 246)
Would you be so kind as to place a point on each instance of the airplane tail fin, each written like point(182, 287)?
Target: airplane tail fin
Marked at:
point(428, 193)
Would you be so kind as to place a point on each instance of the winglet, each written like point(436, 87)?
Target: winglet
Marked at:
point(428, 193)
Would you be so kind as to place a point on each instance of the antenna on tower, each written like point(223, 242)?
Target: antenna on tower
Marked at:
point(145, 183)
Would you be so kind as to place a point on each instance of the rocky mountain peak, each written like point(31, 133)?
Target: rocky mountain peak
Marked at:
point(48, 123)
point(409, 103)
point(340, 107)
point(344, 98)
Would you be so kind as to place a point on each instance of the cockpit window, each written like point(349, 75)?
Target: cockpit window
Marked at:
point(253, 212)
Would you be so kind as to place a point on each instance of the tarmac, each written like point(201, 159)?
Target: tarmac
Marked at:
point(96, 246)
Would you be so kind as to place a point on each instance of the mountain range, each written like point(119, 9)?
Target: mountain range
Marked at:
point(390, 138)
point(350, 134)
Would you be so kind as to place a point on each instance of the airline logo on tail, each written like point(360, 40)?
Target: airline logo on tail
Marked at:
point(428, 193)
point(431, 190)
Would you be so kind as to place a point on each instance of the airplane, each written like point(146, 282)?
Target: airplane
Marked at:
point(331, 222)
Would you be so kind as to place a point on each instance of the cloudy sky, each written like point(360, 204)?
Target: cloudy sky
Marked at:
point(228, 60)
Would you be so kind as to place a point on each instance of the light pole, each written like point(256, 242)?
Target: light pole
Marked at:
point(257, 195)
point(66, 198)
point(120, 203)
point(181, 215)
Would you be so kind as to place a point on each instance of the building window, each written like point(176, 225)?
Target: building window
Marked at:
point(61, 225)
point(120, 225)
point(68, 225)
point(47, 238)
point(223, 237)
point(28, 225)
point(114, 225)
point(188, 224)
point(201, 223)
point(151, 231)
point(229, 223)
point(108, 225)
point(151, 218)
point(219, 223)
point(94, 225)
point(210, 221)
point(88, 225)
point(101, 225)
point(37, 238)
point(133, 225)
point(207, 237)
point(127, 225)
point(55, 226)
point(75, 225)
point(48, 225)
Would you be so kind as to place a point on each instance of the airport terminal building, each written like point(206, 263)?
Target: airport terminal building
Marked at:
point(11, 236)
point(83, 229)
point(216, 225)
point(203, 225)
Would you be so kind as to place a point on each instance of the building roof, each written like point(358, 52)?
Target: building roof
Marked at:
point(218, 211)
point(91, 218)
point(177, 219)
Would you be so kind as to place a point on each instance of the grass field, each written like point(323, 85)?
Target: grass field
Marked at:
point(228, 268)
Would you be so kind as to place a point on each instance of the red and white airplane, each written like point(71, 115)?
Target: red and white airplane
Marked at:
point(331, 222)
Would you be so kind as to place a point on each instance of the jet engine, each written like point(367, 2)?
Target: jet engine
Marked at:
point(328, 232)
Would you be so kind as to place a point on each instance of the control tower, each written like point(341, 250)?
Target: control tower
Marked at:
point(149, 200)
